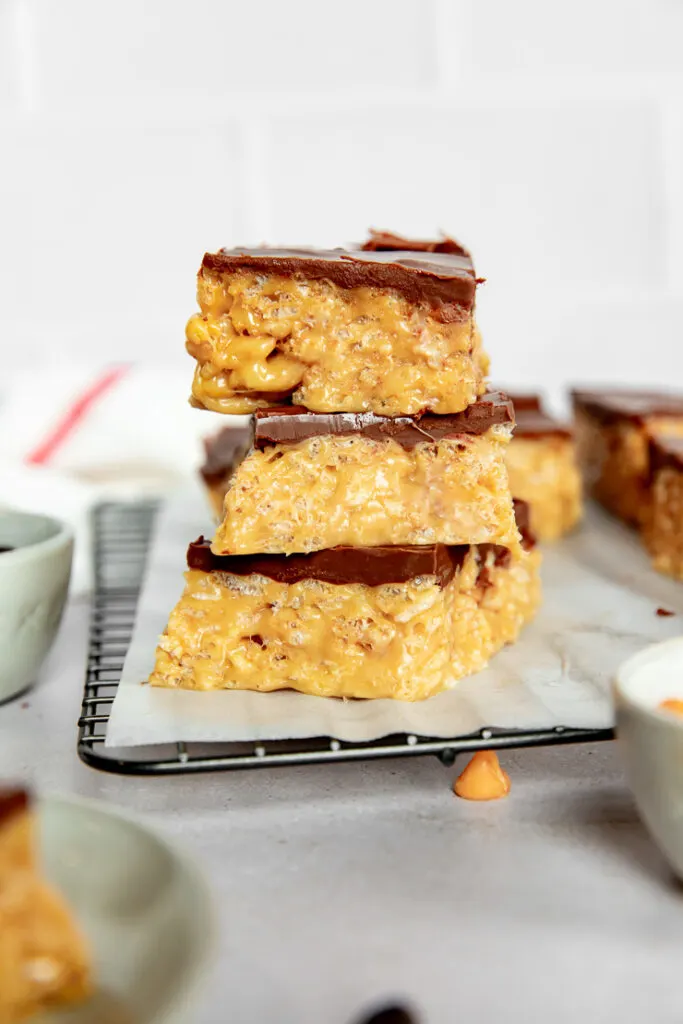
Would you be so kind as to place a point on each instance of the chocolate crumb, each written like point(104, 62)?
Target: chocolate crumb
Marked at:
point(664, 613)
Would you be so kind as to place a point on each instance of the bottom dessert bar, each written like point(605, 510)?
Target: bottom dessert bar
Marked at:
point(613, 429)
point(43, 958)
point(542, 469)
point(663, 524)
point(394, 622)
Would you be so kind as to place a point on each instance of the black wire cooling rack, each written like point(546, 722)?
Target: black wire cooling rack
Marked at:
point(122, 535)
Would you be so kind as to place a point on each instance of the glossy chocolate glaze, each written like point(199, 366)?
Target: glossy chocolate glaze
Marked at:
point(666, 452)
point(223, 450)
point(613, 404)
point(292, 424)
point(371, 566)
point(341, 565)
point(13, 799)
point(444, 281)
point(531, 419)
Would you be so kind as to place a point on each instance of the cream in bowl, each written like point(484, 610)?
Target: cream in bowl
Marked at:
point(648, 693)
point(35, 566)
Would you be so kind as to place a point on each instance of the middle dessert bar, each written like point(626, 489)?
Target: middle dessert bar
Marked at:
point(400, 622)
point(332, 330)
point(318, 480)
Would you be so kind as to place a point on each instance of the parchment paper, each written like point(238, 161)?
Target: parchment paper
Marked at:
point(600, 606)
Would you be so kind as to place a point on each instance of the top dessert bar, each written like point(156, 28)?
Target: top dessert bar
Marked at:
point(384, 331)
point(613, 431)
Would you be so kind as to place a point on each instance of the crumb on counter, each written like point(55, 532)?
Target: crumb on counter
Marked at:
point(664, 613)
point(482, 778)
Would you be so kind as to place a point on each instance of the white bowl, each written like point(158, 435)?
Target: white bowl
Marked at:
point(34, 580)
point(142, 904)
point(651, 741)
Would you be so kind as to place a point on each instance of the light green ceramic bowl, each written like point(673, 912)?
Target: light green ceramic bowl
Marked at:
point(142, 904)
point(34, 581)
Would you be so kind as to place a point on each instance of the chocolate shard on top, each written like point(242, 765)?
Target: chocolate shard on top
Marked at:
point(609, 405)
point(290, 424)
point(665, 452)
point(13, 799)
point(444, 281)
point(532, 420)
point(387, 241)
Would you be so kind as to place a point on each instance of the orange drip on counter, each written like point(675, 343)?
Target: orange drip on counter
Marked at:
point(672, 704)
point(483, 778)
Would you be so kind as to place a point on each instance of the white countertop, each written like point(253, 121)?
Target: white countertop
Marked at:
point(342, 885)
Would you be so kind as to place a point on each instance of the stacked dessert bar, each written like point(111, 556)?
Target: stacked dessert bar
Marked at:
point(630, 446)
point(369, 545)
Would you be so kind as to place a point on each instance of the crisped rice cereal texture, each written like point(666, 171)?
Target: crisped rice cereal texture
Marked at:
point(543, 472)
point(260, 340)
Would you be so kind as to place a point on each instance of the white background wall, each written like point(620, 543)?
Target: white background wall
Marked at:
point(547, 135)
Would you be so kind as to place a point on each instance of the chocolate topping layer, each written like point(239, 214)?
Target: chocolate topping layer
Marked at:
point(371, 566)
point(666, 452)
point(340, 565)
point(223, 450)
point(290, 424)
point(387, 241)
point(444, 281)
point(12, 801)
point(613, 404)
point(531, 419)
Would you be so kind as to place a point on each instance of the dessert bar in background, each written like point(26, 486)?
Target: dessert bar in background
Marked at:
point(336, 331)
point(319, 480)
point(613, 431)
point(223, 451)
point(400, 622)
point(663, 523)
point(44, 960)
point(542, 467)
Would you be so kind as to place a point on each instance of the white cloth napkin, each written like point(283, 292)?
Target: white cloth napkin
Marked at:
point(98, 432)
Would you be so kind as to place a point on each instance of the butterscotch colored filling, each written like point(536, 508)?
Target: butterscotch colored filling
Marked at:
point(404, 640)
point(43, 959)
point(543, 472)
point(615, 463)
point(482, 778)
point(334, 490)
point(259, 340)
point(663, 524)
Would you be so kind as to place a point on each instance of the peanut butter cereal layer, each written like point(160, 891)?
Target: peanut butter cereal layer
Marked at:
point(613, 431)
point(542, 468)
point(663, 522)
point(391, 622)
point(43, 959)
point(318, 480)
point(336, 331)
